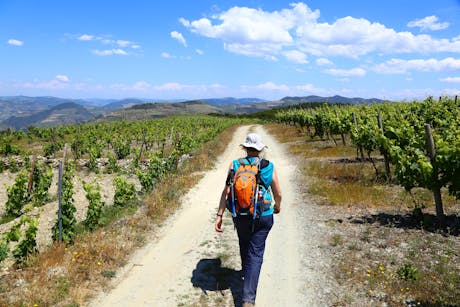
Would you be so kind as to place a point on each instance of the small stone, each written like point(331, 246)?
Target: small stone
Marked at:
point(19, 282)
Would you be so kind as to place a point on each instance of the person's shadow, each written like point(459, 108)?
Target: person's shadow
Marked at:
point(210, 276)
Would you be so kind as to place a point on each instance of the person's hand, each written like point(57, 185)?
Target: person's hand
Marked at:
point(277, 209)
point(218, 225)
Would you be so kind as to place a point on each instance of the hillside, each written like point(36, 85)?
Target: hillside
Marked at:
point(21, 106)
point(155, 110)
point(250, 105)
point(62, 114)
point(332, 99)
point(121, 104)
point(22, 111)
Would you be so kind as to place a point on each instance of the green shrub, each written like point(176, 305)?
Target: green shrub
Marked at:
point(42, 178)
point(4, 250)
point(94, 154)
point(409, 272)
point(14, 167)
point(125, 193)
point(50, 149)
point(7, 148)
point(112, 166)
point(68, 208)
point(28, 245)
point(122, 148)
point(93, 195)
point(17, 195)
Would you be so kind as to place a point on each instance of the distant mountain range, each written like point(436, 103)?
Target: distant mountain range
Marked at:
point(65, 113)
point(25, 106)
point(22, 111)
point(232, 100)
point(332, 99)
point(121, 104)
point(161, 109)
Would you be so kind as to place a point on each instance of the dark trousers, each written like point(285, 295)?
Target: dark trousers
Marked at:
point(252, 247)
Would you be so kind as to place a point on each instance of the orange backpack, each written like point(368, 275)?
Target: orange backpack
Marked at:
point(246, 188)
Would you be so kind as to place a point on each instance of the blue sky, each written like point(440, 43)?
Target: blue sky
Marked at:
point(403, 49)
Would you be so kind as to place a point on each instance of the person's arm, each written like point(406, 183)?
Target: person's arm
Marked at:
point(276, 192)
point(222, 205)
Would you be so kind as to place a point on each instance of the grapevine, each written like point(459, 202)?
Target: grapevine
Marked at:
point(125, 193)
point(401, 138)
point(68, 208)
point(17, 195)
point(93, 195)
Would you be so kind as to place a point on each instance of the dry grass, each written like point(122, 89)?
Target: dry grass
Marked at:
point(70, 276)
point(384, 250)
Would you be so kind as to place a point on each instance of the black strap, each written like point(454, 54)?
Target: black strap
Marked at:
point(264, 163)
point(230, 178)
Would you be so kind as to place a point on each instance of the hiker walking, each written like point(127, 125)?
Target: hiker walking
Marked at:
point(247, 195)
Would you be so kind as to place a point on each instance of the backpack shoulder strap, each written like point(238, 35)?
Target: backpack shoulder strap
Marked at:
point(264, 163)
point(243, 161)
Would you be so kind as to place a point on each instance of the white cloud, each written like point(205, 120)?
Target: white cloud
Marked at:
point(354, 72)
point(62, 78)
point(451, 79)
point(323, 62)
point(267, 86)
point(119, 52)
point(46, 85)
point(15, 42)
point(271, 90)
point(352, 37)
point(123, 43)
point(262, 50)
point(305, 87)
point(399, 66)
point(451, 92)
point(251, 31)
point(184, 22)
point(267, 34)
point(270, 86)
point(108, 52)
point(428, 23)
point(166, 55)
point(146, 87)
point(296, 56)
point(199, 51)
point(171, 86)
point(116, 45)
point(179, 37)
point(142, 86)
point(86, 37)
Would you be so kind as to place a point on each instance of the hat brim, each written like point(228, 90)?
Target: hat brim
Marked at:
point(257, 147)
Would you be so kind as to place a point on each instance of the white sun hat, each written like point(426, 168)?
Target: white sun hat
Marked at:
point(254, 140)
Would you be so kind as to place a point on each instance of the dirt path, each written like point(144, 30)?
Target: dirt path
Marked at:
point(192, 265)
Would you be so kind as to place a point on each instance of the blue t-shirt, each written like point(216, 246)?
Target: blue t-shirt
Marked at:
point(266, 175)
